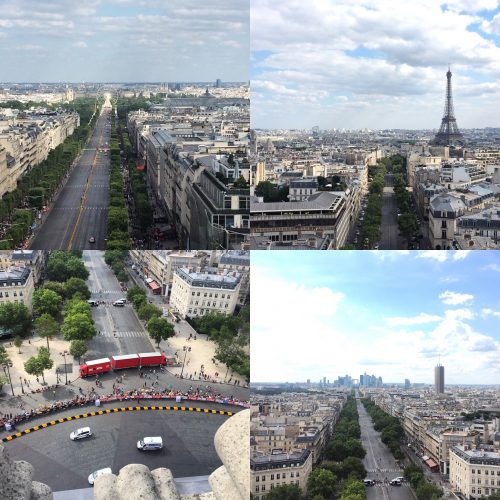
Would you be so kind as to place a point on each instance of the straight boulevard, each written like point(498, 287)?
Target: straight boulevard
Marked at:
point(390, 229)
point(379, 462)
point(80, 210)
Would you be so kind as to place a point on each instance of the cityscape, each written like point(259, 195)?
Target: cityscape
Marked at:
point(351, 147)
point(375, 385)
point(152, 153)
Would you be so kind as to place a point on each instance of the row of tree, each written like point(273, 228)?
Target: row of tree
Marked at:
point(424, 490)
point(230, 334)
point(39, 184)
point(159, 328)
point(373, 213)
point(389, 427)
point(118, 236)
point(115, 259)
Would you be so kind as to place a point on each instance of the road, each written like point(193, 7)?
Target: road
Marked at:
point(188, 450)
point(80, 210)
point(379, 463)
point(391, 240)
point(121, 330)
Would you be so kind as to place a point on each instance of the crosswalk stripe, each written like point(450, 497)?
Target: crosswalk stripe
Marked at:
point(124, 334)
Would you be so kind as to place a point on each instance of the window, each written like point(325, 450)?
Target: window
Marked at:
point(198, 294)
point(223, 296)
point(272, 477)
point(278, 476)
point(263, 487)
point(15, 294)
point(216, 295)
point(486, 472)
point(263, 478)
point(21, 293)
point(192, 293)
point(6, 294)
point(257, 488)
point(257, 479)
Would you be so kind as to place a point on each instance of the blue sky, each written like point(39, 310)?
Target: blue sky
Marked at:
point(124, 40)
point(373, 64)
point(391, 314)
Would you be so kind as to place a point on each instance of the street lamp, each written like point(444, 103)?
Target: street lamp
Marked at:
point(7, 374)
point(186, 349)
point(64, 354)
point(22, 386)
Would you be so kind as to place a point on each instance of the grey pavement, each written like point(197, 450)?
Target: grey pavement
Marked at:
point(380, 463)
point(391, 239)
point(80, 210)
point(63, 464)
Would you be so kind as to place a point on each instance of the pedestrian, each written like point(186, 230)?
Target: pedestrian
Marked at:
point(29, 341)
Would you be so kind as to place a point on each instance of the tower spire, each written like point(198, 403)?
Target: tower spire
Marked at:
point(449, 134)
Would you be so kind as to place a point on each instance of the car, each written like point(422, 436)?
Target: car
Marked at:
point(98, 473)
point(400, 478)
point(92, 303)
point(81, 433)
point(395, 482)
point(368, 482)
point(120, 302)
point(92, 239)
point(150, 444)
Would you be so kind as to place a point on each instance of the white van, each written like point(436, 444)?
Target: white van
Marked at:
point(82, 433)
point(98, 473)
point(120, 302)
point(150, 443)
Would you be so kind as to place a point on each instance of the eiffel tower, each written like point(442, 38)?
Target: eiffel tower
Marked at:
point(448, 134)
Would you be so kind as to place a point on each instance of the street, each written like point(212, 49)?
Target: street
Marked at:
point(390, 230)
point(121, 331)
point(80, 210)
point(379, 463)
point(188, 445)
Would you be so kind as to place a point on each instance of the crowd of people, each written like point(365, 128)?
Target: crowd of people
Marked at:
point(205, 394)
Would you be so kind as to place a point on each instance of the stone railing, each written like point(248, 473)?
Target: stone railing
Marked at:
point(231, 481)
point(16, 483)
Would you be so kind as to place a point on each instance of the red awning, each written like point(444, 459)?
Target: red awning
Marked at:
point(153, 285)
point(140, 167)
point(431, 463)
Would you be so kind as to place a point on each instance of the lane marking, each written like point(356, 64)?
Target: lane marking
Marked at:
point(108, 412)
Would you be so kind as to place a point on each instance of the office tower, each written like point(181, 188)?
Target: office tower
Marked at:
point(439, 379)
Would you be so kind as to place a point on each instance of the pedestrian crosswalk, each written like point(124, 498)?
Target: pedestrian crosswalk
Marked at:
point(385, 470)
point(109, 292)
point(123, 334)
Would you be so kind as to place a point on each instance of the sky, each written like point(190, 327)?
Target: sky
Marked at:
point(353, 64)
point(124, 40)
point(394, 314)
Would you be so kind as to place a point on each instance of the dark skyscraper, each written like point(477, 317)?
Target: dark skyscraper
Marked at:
point(439, 379)
point(448, 134)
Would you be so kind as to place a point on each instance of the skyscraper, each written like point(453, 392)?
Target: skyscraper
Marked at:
point(439, 378)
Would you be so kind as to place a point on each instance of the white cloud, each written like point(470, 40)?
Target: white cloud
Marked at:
point(491, 267)
point(437, 255)
point(421, 319)
point(460, 254)
point(454, 298)
point(490, 312)
point(81, 45)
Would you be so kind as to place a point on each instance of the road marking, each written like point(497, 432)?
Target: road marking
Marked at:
point(109, 411)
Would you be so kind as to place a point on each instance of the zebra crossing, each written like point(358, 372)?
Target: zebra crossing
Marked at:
point(385, 470)
point(123, 334)
point(111, 292)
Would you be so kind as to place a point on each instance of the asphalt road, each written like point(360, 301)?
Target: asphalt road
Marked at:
point(379, 463)
point(188, 445)
point(80, 210)
point(390, 230)
point(121, 330)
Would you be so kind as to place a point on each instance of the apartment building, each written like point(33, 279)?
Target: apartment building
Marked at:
point(197, 293)
point(16, 285)
point(269, 471)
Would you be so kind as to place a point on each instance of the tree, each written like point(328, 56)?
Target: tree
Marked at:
point(160, 329)
point(77, 306)
point(407, 224)
point(46, 363)
point(47, 327)
point(4, 356)
point(240, 183)
point(427, 491)
point(46, 302)
point(77, 349)
point(352, 489)
point(146, 311)
point(55, 286)
point(18, 342)
point(34, 367)
point(134, 292)
point(285, 492)
point(78, 327)
point(321, 482)
point(76, 286)
point(352, 466)
point(15, 318)
point(3, 380)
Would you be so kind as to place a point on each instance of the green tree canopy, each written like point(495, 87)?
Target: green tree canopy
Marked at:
point(47, 327)
point(146, 311)
point(46, 302)
point(285, 492)
point(78, 326)
point(76, 286)
point(160, 329)
point(15, 318)
point(321, 482)
point(77, 349)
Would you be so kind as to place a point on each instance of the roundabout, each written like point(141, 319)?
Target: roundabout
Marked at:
point(187, 431)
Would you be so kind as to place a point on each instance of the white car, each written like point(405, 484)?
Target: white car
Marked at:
point(82, 433)
point(150, 443)
point(98, 473)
